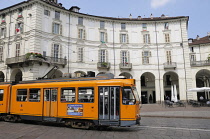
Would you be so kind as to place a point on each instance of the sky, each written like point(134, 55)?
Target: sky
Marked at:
point(197, 10)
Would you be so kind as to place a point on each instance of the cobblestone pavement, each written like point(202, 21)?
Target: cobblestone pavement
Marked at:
point(151, 128)
point(159, 110)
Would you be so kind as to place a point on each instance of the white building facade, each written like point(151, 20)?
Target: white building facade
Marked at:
point(37, 35)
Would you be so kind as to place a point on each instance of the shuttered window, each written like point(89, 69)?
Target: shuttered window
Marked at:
point(17, 52)
point(167, 38)
point(57, 28)
point(125, 57)
point(102, 24)
point(123, 26)
point(57, 15)
point(80, 54)
point(81, 33)
point(168, 55)
point(146, 38)
point(1, 53)
point(80, 21)
point(123, 38)
point(145, 57)
point(103, 55)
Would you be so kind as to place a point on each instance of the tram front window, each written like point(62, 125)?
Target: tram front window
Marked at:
point(128, 96)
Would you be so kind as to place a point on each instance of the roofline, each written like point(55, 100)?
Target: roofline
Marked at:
point(104, 17)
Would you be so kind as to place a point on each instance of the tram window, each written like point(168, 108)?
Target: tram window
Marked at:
point(128, 97)
point(86, 94)
point(22, 95)
point(1, 94)
point(54, 95)
point(68, 95)
point(34, 95)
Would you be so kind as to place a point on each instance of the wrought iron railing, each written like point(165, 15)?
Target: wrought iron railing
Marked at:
point(47, 59)
point(169, 65)
point(200, 63)
point(103, 65)
point(125, 66)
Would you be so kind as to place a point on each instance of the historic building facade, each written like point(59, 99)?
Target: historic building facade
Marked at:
point(38, 36)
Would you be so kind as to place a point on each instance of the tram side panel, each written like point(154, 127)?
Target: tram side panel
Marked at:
point(4, 99)
point(78, 102)
point(27, 102)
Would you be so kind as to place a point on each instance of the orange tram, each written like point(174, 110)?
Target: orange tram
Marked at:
point(77, 102)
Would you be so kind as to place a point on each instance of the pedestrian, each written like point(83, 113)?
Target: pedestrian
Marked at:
point(150, 98)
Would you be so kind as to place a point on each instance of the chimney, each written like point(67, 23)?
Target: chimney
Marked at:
point(190, 40)
point(208, 34)
point(197, 37)
point(55, 1)
point(139, 17)
point(151, 16)
point(74, 9)
point(162, 15)
point(60, 4)
point(130, 16)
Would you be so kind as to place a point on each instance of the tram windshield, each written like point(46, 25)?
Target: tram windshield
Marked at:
point(130, 96)
point(136, 93)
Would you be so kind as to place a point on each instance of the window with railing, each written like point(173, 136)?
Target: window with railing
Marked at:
point(56, 52)
point(192, 57)
point(102, 55)
point(124, 58)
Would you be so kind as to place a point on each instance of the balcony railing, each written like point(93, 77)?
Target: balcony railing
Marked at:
point(170, 65)
point(200, 63)
point(125, 66)
point(23, 59)
point(103, 65)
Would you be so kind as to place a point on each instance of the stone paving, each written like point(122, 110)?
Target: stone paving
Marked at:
point(160, 110)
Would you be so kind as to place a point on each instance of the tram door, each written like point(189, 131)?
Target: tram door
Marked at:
point(50, 104)
point(109, 98)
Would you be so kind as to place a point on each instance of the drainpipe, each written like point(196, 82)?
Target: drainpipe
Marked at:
point(113, 46)
point(183, 59)
point(7, 70)
point(158, 60)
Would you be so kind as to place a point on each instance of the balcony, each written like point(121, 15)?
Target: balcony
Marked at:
point(200, 63)
point(24, 61)
point(125, 66)
point(103, 65)
point(170, 65)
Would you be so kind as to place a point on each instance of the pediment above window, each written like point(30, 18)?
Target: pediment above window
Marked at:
point(80, 41)
point(146, 47)
point(168, 45)
point(56, 38)
point(102, 45)
point(17, 38)
point(124, 46)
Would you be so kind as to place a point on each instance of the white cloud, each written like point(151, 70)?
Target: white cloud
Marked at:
point(159, 3)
